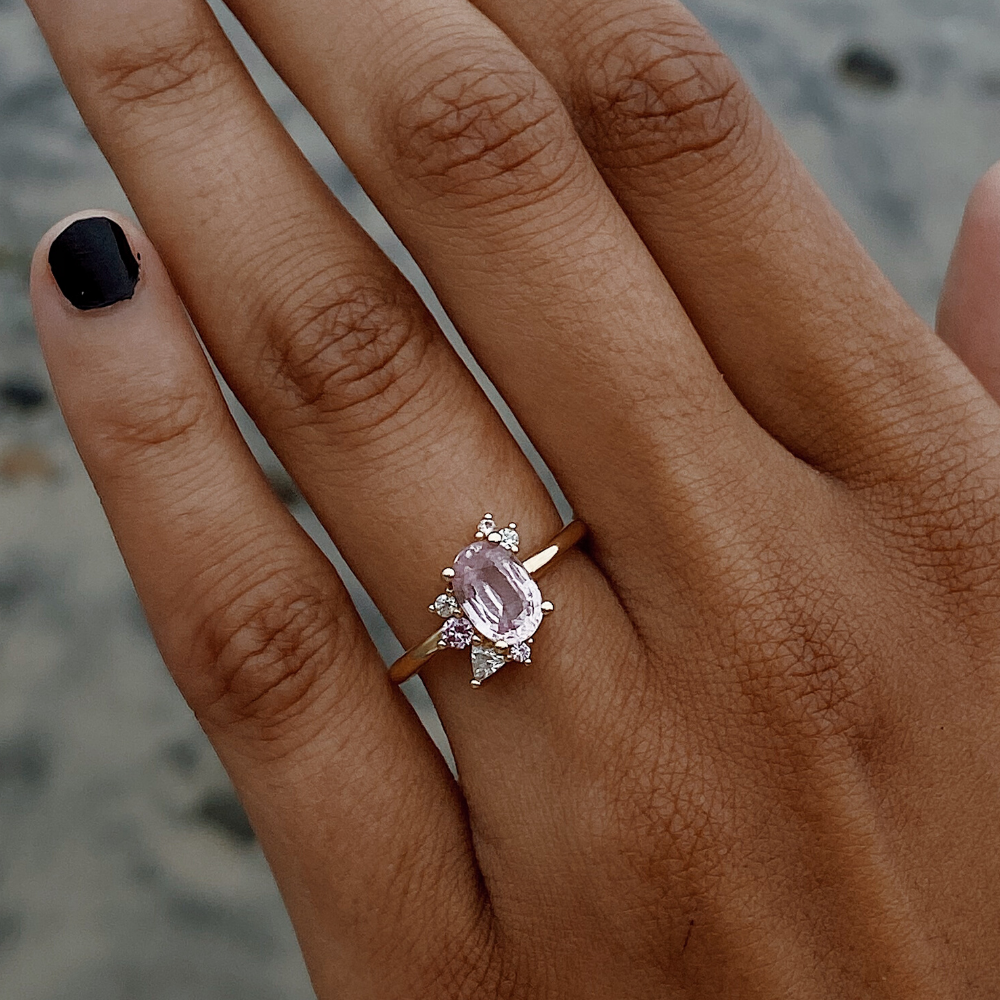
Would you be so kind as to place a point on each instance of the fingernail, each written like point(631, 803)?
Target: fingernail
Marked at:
point(93, 263)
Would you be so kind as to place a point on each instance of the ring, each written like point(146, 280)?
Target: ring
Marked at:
point(492, 604)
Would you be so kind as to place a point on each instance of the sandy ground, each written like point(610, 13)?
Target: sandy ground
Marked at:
point(127, 869)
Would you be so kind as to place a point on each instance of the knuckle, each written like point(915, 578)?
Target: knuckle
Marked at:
point(660, 94)
point(268, 652)
point(167, 65)
point(482, 129)
point(172, 417)
point(352, 350)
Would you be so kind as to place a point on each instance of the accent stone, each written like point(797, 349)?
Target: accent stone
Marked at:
point(497, 593)
point(457, 633)
point(509, 538)
point(521, 652)
point(445, 605)
point(486, 661)
point(486, 525)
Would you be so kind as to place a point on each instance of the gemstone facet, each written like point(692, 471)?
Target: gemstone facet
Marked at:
point(457, 633)
point(496, 593)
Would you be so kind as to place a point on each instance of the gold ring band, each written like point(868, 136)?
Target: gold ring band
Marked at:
point(413, 659)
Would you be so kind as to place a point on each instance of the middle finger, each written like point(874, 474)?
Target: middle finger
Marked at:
point(471, 156)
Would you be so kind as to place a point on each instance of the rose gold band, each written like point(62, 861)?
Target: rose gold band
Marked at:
point(413, 659)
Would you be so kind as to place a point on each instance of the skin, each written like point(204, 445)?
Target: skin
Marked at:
point(756, 756)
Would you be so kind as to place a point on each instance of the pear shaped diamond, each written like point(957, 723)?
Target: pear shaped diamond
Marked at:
point(486, 661)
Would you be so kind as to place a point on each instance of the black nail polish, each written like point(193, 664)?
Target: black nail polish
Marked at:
point(93, 264)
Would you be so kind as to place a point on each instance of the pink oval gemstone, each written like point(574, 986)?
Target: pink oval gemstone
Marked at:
point(496, 593)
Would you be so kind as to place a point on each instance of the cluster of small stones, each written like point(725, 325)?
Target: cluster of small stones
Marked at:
point(457, 632)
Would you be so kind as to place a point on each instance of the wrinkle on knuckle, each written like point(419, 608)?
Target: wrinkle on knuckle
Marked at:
point(484, 128)
point(648, 97)
point(166, 418)
point(167, 65)
point(270, 651)
point(351, 350)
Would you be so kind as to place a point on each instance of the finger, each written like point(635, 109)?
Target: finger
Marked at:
point(968, 317)
point(810, 335)
point(392, 442)
point(471, 157)
point(351, 802)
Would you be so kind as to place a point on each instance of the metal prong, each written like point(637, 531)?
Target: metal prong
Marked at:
point(487, 517)
point(547, 607)
point(442, 644)
point(476, 683)
point(515, 548)
point(501, 645)
point(479, 535)
point(448, 572)
point(493, 536)
point(512, 525)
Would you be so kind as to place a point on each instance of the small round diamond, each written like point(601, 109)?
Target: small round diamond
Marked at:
point(521, 652)
point(457, 633)
point(509, 538)
point(445, 605)
point(487, 524)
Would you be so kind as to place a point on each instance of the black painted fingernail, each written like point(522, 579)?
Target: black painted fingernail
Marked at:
point(93, 264)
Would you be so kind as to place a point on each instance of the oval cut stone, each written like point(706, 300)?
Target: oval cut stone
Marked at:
point(496, 593)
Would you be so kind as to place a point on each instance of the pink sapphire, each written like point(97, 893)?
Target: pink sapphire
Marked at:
point(457, 633)
point(496, 593)
point(521, 652)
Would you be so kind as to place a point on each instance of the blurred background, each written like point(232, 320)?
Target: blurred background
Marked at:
point(127, 867)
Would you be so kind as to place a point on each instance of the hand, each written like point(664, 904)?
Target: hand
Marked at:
point(757, 753)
